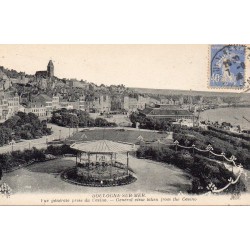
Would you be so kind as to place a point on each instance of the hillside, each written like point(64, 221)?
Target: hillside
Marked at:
point(187, 92)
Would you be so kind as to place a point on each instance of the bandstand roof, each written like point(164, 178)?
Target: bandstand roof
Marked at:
point(102, 147)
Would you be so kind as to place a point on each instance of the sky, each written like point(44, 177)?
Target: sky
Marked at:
point(146, 66)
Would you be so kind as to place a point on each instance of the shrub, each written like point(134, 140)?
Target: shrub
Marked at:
point(203, 170)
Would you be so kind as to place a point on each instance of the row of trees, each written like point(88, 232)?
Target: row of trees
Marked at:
point(150, 123)
point(9, 161)
point(203, 170)
point(22, 126)
point(78, 118)
point(229, 133)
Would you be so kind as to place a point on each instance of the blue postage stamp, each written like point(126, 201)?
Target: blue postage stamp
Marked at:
point(227, 66)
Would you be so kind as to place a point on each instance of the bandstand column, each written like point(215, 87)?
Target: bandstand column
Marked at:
point(88, 162)
point(127, 161)
point(111, 156)
point(76, 157)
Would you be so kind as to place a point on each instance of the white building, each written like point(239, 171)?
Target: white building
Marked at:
point(37, 108)
point(9, 105)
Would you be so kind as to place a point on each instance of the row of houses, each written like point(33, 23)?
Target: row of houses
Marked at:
point(43, 105)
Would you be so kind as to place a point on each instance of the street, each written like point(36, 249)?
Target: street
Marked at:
point(58, 132)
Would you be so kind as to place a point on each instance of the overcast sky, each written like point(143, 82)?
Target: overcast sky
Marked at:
point(148, 66)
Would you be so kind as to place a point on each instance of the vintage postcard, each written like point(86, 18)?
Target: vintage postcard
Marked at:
point(125, 124)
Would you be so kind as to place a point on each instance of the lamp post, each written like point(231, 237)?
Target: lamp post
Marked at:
point(223, 156)
point(233, 159)
point(60, 134)
point(193, 146)
point(209, 148)
point(176, 145)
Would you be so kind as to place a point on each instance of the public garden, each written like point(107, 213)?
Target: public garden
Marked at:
point(155, 164)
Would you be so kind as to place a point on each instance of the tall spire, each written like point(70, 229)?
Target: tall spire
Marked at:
point(50, 69)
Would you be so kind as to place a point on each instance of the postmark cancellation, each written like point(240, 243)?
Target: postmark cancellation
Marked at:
point(229, 66)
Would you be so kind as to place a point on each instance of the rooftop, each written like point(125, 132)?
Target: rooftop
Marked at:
point(42, 98)
point(102, 147)
point(165, 112)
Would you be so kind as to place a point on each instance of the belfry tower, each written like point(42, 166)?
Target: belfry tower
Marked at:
point(50, 69)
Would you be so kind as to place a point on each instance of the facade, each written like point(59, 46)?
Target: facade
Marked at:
point(13, 105)
point(142, 101)
point(132, 104)
point(3, 108)
point(37, 108)
point(41, 101)
point(9, 105)
point(101, 104)
point(55, 102)
point(82, 103)
point(168, 114)
point(69, 105)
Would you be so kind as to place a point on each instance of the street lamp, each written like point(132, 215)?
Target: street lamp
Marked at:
point(233, 158)
point(209, 148)
point(193, 146)
point(223, 156)
point(176, 145)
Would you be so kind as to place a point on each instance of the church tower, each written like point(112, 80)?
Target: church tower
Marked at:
point(50, 69)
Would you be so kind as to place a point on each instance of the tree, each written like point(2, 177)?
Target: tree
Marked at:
point(11, 122)
point(38, 154)
point(5, 135)
point(100, 122)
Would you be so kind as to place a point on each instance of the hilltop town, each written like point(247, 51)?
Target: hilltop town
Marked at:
point(44, 117)
point(43, 93)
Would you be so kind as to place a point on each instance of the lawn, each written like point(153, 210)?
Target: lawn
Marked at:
point(121, 135)
point(151, 177)
point(53, 166)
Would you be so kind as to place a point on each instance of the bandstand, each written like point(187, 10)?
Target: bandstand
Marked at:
point(103, 163)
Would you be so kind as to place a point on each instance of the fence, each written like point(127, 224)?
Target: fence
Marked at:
point(209, 149)
point(25, 145)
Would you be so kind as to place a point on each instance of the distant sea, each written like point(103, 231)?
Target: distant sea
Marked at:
point(236, 116)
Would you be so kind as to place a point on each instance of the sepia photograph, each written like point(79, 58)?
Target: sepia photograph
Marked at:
point(124, 124)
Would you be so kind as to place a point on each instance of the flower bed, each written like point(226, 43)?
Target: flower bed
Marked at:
point(72, 176)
